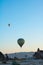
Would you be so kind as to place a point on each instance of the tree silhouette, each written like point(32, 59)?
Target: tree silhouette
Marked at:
point(38, 50)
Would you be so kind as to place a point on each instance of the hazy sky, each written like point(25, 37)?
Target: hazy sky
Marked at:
point(26, 19)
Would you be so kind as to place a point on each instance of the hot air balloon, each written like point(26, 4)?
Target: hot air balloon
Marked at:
point(9, 25)
point(20, 41)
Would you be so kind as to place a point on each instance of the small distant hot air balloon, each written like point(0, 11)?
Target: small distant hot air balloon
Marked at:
point(20, 41)
point(9, 25)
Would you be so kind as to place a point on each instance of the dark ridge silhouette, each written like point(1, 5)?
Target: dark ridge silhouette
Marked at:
point(2, 57)
point(38, 54)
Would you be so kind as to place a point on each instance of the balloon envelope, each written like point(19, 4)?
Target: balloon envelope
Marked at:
point(9, 25)
point(20, 41)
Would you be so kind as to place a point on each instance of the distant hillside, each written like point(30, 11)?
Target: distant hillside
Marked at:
point(21, 54)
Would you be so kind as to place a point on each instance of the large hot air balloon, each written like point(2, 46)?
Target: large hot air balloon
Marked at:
point(20, 41)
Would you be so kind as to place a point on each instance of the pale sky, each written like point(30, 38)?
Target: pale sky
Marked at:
point(26, 19)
